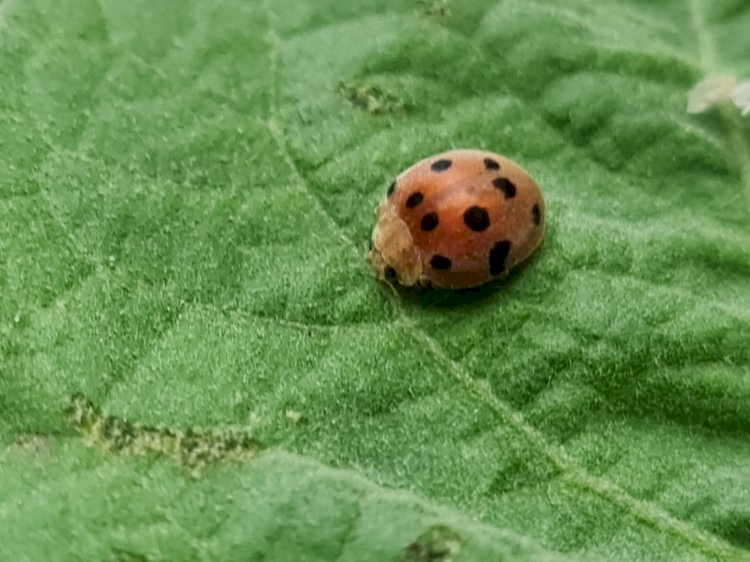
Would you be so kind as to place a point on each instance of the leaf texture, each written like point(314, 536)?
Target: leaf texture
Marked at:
point(186, 196)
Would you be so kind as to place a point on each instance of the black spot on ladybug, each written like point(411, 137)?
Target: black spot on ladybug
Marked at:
point(498, 254)
point(429, 222)
point(476, 218)
point(536, 214)
point(440, 262)
point(391, 189)
point(390, 273)
point(491, 164)
point(414, 199)
point(506, 186)
point(441, 165)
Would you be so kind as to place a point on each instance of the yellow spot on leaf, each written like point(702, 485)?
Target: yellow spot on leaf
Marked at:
point(195, 447)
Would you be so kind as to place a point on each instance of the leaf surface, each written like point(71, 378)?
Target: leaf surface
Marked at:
point(197, 364)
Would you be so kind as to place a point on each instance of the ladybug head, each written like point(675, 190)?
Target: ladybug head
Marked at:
point(392, 254)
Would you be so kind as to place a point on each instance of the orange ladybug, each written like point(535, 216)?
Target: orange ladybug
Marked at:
point(456, 220)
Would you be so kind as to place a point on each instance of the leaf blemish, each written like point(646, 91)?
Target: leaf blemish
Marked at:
point(194, 448)
point(436, 8)
point(372, 99)
point(439, 543)
point(295, 417)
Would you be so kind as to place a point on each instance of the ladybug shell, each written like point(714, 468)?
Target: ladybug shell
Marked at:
point(457, 219)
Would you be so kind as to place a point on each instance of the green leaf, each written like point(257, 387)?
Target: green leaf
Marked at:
point(196, 362)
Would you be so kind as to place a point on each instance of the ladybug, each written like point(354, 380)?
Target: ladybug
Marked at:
point(457, 220)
